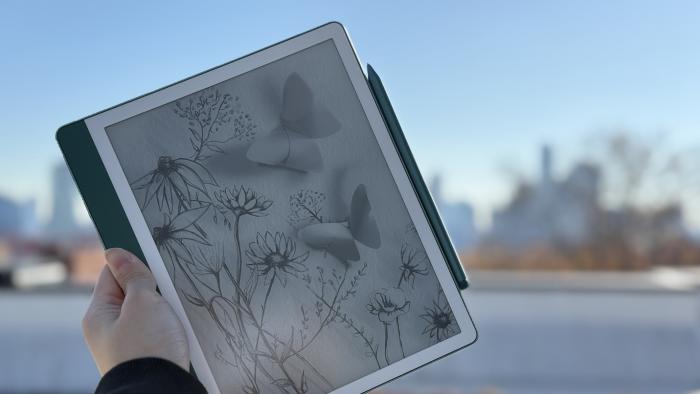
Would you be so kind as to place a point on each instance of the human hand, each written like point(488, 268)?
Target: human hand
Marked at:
point(127, 319)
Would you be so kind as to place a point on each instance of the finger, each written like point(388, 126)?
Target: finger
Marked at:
point(107, 290)
point(129, 271)
point(107, 299)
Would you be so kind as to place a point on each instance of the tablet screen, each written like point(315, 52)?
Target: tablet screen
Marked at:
point(282, 228)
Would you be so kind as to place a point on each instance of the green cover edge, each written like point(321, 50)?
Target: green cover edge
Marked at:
point(392, 123)
point(96, 189)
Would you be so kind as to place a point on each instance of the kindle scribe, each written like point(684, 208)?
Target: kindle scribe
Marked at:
point(282, 214)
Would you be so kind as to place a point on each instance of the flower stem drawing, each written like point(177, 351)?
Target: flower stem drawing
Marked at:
point(239, 202)
point(358, 331)
point(388, 305)
point(398, 330)
point(386, 343)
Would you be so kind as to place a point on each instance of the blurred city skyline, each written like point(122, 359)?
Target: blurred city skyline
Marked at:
point(560, 140)
point(486, 84)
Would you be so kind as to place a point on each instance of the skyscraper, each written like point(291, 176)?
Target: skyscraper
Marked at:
point(458, 217)
point(17, 218)
point(546, 166)
point(62, 221)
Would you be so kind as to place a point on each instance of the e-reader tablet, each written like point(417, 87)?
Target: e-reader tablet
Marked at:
point(282, 219)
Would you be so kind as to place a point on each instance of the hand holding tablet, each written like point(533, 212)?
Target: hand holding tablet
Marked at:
point(281, 220)
point(127, 319)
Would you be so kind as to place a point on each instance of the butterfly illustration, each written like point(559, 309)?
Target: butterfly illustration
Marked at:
point(292, 144)
point(340, 239)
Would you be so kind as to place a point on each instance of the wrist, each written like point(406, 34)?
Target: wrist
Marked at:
point(149, 374)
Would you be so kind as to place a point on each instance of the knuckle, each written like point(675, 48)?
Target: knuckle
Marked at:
point(141, 295)
point(134, 275)
point(88, 321)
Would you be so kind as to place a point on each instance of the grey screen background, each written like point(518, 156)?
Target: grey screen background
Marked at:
point(283, 229)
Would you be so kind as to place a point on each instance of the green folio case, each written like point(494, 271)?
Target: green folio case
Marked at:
point(96, 188)
point(114, 229)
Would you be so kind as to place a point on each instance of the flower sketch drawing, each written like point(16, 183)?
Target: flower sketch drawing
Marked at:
point(283, 230)
point(440, 321)
point(388, 304)
point(275, 254)
point(240, 201)
point(174, 184)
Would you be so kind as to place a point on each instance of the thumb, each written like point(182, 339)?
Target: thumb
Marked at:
point(129, 271)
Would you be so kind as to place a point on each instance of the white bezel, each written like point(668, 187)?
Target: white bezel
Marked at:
point(97, 123)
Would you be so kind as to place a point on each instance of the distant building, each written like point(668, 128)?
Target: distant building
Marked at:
point(569, 212)
point(62, 222)
point(457, 216)
point(85, 262)
point(551, 210)
point(17, 219)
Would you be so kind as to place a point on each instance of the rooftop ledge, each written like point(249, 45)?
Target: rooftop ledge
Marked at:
point(661, 279)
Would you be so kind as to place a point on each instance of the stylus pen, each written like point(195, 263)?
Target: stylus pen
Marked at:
point(392, 122)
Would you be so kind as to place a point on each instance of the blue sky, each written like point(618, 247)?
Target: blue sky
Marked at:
point(477, 85)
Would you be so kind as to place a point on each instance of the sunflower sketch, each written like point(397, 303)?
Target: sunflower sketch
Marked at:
point(174, 183)
point(441, 321)
point(275, 254)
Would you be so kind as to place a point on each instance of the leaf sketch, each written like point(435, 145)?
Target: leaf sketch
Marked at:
point(174, 184)
point(305, 208)
point(292, 144)
point(209, 262)
point(174, 234)
point(207, 114)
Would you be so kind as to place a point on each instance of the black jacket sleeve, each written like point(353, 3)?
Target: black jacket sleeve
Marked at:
point(148, 375)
